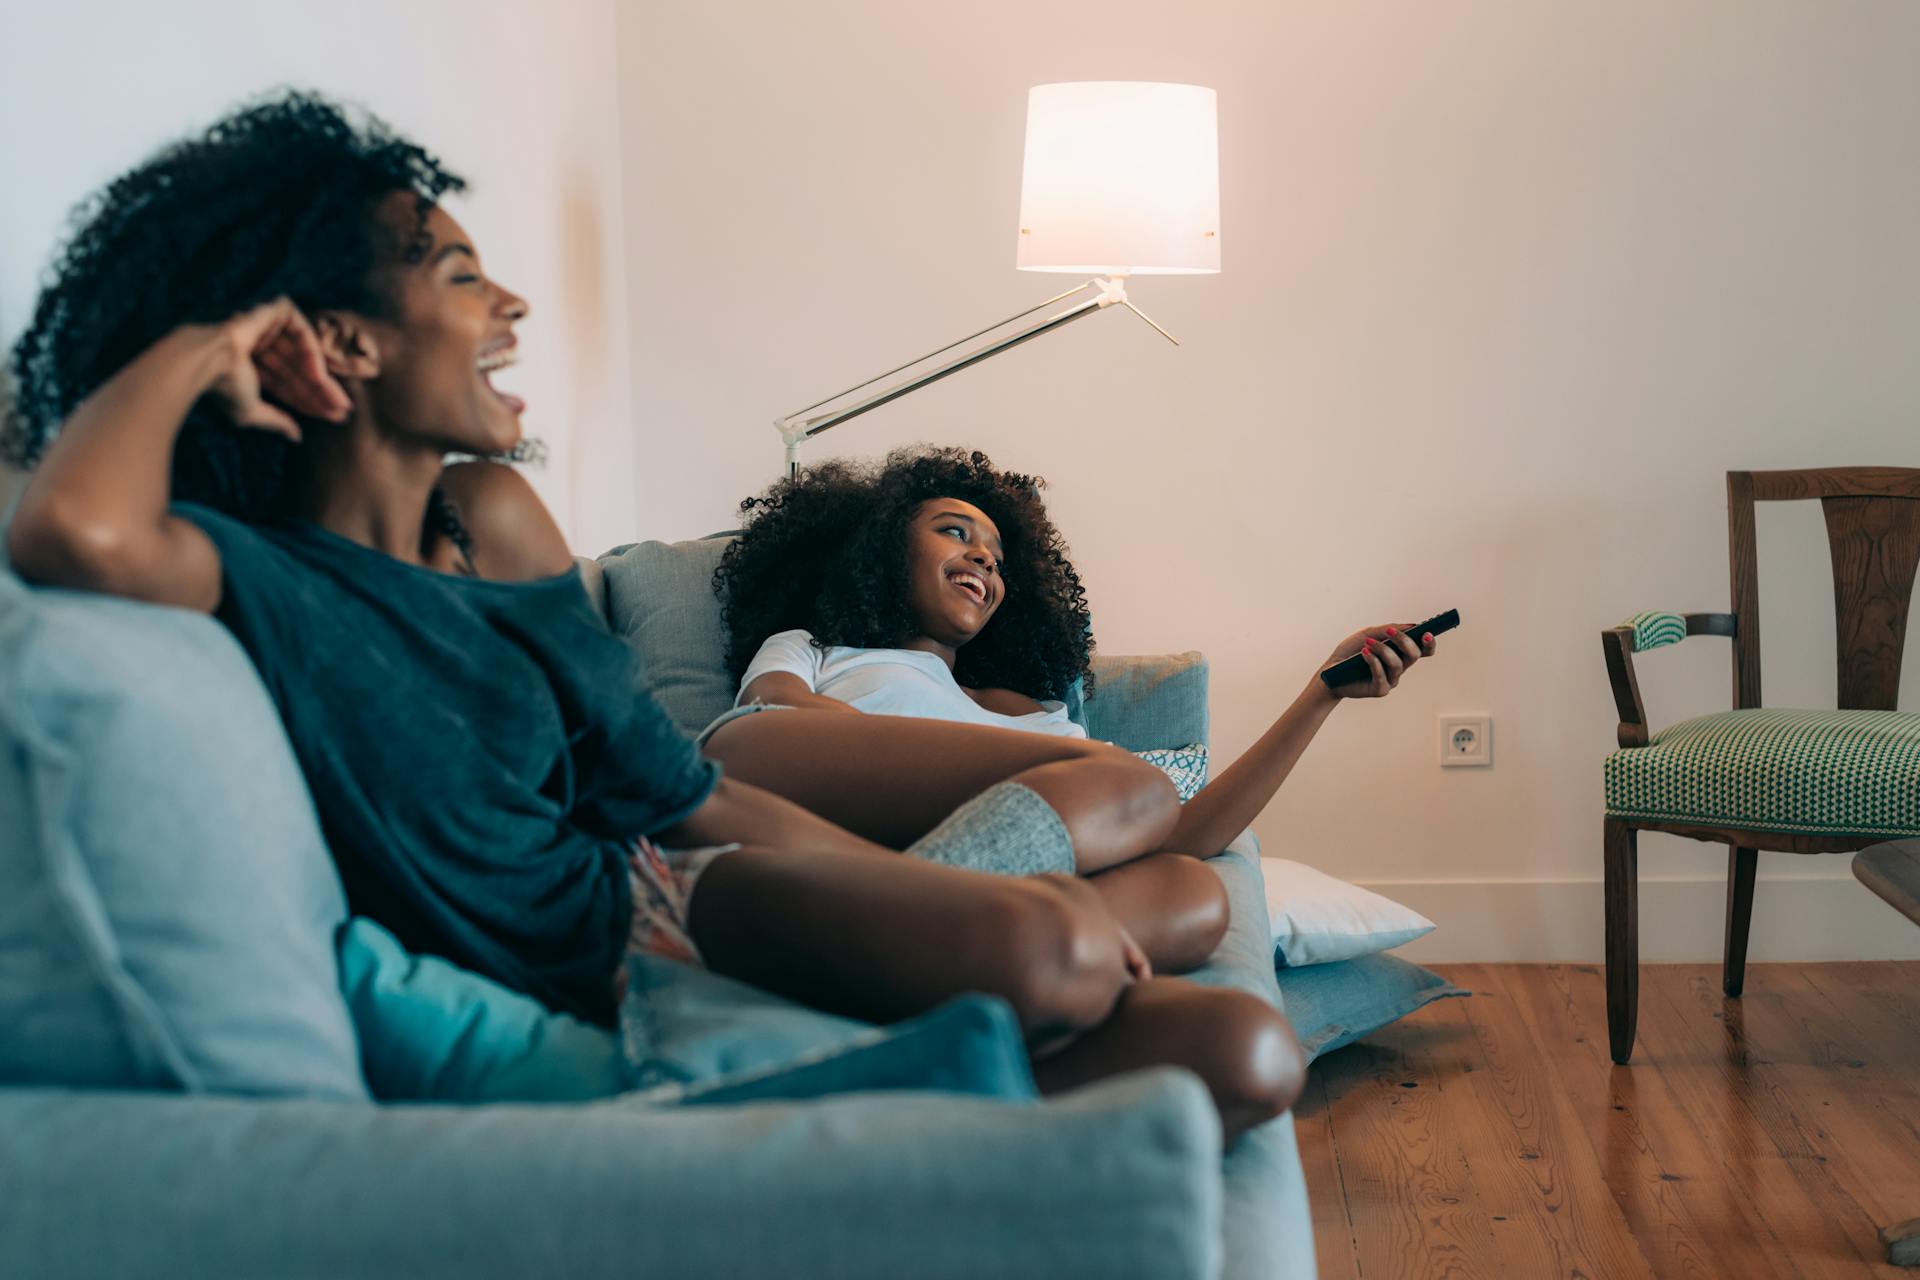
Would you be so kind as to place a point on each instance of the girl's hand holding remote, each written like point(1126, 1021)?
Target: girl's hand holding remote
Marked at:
point(1387, 651)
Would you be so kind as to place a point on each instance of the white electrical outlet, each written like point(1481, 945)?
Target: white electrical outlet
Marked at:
point(1466, 741)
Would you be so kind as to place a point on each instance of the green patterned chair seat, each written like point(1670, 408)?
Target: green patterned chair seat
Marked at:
point(1824, 772)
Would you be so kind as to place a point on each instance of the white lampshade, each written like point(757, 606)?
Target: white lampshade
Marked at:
point(1121, 177)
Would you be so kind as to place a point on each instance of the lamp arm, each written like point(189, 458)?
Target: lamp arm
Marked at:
point(978, 333)
point(796, 426)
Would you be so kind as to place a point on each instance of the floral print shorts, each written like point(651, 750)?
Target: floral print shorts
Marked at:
point(663, 882)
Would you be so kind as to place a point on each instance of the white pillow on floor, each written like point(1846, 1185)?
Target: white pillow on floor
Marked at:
point(1318, 919)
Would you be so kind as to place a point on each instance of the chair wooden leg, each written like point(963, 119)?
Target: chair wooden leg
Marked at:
point(1623, 937)
point(1741, 864)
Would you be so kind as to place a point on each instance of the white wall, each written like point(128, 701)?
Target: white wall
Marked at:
point(520, 100)
point(1506, 290)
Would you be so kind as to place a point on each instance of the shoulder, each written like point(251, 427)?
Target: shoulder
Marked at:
point(791, 645)
point(513, 535)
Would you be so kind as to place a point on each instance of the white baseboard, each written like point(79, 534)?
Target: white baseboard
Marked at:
point(1804, 918)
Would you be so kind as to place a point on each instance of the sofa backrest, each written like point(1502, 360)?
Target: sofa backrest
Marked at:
point(659, 597)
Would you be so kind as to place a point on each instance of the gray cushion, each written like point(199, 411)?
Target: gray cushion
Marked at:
point(167, 906)
point(660, 600)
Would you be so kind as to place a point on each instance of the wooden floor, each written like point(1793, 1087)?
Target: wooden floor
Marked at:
point(1769, 1136)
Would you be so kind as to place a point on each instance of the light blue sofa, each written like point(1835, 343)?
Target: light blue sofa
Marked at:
point(170, 1162)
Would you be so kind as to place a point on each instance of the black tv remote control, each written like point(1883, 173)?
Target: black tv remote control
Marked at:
point(1351, 670)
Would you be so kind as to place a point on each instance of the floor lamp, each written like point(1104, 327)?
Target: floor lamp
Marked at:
point(1121, 178)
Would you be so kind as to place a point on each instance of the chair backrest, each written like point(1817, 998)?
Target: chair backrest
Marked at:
point(1873, 532)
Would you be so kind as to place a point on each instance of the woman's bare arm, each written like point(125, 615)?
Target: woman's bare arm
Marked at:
point(94, 514)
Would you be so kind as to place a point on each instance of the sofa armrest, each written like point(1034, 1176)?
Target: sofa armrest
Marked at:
point(1143, 703)
point(1120, 1179)
point(1267, 1230)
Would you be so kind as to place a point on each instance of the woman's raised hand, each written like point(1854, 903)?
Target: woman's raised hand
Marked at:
point(277, 355)
point(1388, 652)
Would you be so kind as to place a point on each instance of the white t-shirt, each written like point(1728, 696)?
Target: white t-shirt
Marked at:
point(892, 682)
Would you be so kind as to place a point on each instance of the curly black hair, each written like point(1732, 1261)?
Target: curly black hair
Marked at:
point(278, 198)
point(826, 551)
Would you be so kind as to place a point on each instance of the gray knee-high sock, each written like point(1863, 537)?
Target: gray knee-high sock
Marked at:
point(1006, 830)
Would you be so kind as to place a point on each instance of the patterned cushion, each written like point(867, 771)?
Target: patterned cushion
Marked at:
point(1823, 772)
point(1653, 629)
point(1187, 766)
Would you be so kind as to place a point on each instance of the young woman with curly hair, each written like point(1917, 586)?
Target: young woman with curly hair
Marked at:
point(237, 395)
point(934, 593)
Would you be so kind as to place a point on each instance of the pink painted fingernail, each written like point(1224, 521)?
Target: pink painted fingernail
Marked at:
point(1393, 631)
point(1427, 638)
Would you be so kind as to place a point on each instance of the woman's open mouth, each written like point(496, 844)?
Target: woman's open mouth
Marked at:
point(971, 583)
point(500, 358)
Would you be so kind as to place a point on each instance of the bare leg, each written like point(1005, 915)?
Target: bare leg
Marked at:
point(1174, 906)
point(892, 779)
point(885, 938)
point(1237, 1044)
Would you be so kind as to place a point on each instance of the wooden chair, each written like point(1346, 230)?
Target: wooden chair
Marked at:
point(1757, 778)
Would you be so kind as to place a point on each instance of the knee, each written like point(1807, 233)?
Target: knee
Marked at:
point(1139, 795)
point(1253, 1063)
point(1203, 915)
point(1065, 965)
point(1153, 802)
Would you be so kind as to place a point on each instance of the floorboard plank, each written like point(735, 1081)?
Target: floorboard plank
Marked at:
point(1409, 1191)
point(1648, 1149)
point(1535, 1142)
point(1762, 1137)
point(1853, 1080)
point(1774, 1140)
point(1332, 1227)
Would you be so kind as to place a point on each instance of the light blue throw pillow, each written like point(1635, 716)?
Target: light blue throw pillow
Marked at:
point(431, 1031)
point(1332, 1005)
point(167, 906)
point(1146, 702)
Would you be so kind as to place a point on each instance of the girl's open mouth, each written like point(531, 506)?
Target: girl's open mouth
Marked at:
point(971, 583)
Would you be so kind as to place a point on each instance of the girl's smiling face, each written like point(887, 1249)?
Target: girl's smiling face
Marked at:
point(953, 570)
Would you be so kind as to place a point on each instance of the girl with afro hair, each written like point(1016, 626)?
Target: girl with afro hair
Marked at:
point(934, 594)
point(237, 395)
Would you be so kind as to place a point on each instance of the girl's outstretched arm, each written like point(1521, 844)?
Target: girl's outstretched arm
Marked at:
point(1226, 805)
